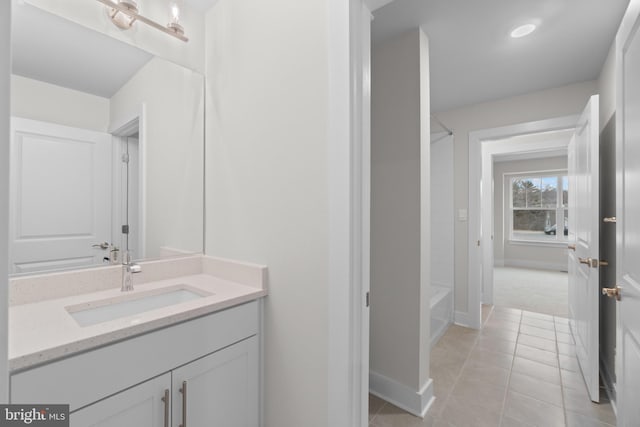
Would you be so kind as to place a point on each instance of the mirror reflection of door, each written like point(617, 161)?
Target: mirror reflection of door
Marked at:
point(61, 197)
point(60, 214)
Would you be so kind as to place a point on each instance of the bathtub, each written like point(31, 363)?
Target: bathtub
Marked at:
point(441, 311)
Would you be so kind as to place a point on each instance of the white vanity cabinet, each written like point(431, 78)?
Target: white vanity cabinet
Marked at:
point(140, 406)
point(218, 390)
point(140, 381)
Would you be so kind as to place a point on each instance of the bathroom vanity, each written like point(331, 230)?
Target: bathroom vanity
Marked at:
point(193, 360)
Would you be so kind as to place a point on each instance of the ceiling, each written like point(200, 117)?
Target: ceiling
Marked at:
point(52, 49)
point(473, 59)
point(73, 56)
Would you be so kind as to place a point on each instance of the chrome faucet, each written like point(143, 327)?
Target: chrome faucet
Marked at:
point(128, 269)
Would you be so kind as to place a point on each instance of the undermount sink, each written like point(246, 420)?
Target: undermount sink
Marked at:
point(105, 310)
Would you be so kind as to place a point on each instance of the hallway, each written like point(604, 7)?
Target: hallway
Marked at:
point(520, 370)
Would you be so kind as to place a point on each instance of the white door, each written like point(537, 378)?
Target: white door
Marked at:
point(628, 218)
point(220, 389)
point(60, 196)
point(145, 405)
point(584, 205)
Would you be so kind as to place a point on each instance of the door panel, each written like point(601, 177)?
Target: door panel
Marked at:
point(628, 217)
point(583, 262)
point(60, 196)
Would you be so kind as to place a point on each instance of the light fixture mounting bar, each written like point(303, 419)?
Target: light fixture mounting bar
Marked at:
point(136, 16)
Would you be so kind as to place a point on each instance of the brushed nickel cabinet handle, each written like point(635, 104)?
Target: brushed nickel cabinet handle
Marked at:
point(167, 402)
point(610, 219)
point(183, 390)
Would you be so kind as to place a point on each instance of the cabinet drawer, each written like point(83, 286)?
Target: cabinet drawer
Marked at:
point(85, 378)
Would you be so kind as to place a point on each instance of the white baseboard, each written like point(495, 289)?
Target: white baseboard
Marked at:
point(462, 318)
point(416, 402)
point(538, 265)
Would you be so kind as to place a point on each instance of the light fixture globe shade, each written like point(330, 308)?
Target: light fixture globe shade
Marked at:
point(122, 20)
point(523, 30)
point(174, 18)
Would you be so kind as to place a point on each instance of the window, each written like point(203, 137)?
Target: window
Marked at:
point(539, 207)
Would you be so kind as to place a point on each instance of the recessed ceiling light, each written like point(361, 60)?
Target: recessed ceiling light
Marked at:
point(523, 30)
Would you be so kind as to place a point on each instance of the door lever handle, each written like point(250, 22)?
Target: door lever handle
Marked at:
point(572, 247)
point(103, 245)
point(613, 292)
point(592, 262)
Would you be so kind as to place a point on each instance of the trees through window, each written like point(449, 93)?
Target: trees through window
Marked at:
point(539, 207)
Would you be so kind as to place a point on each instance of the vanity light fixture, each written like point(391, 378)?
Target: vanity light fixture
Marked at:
point(174, 19)
point(124, 13)
point(523, 30)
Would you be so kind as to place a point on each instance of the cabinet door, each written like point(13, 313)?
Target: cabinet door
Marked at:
point(138, 406)
point(220, 389)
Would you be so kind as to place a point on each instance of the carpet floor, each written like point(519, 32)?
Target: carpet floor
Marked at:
point(539, 291)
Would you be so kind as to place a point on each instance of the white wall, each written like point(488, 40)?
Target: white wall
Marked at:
point(442, 214)
point(400, 220)
point(541, 105)
point(5, 82)
point(92, 14)
point(510, 254)
point(607, 88)
point(173, 152)
point(267, 184)
point(36, 100)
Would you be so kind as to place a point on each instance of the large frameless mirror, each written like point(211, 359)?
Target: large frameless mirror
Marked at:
point(107, 146)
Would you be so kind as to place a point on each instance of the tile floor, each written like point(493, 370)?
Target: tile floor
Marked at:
point(520, 370)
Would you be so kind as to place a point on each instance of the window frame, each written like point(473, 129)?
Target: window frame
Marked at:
point(559, 239)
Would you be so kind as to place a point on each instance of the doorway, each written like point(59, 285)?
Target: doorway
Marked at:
point(128, 206)
point(484, 146)
point(530, 227)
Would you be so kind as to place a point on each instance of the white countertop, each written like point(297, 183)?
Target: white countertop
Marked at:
point(44, 331)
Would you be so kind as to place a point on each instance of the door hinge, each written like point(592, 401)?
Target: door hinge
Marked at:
point(125, 158)
point(125, 229)
point(366, 298)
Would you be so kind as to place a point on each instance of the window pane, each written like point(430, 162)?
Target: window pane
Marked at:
point(565, 191)
point(549, 192)
point(566, 222)
point(534, 224)
point(518, 198)
point(532, 188)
